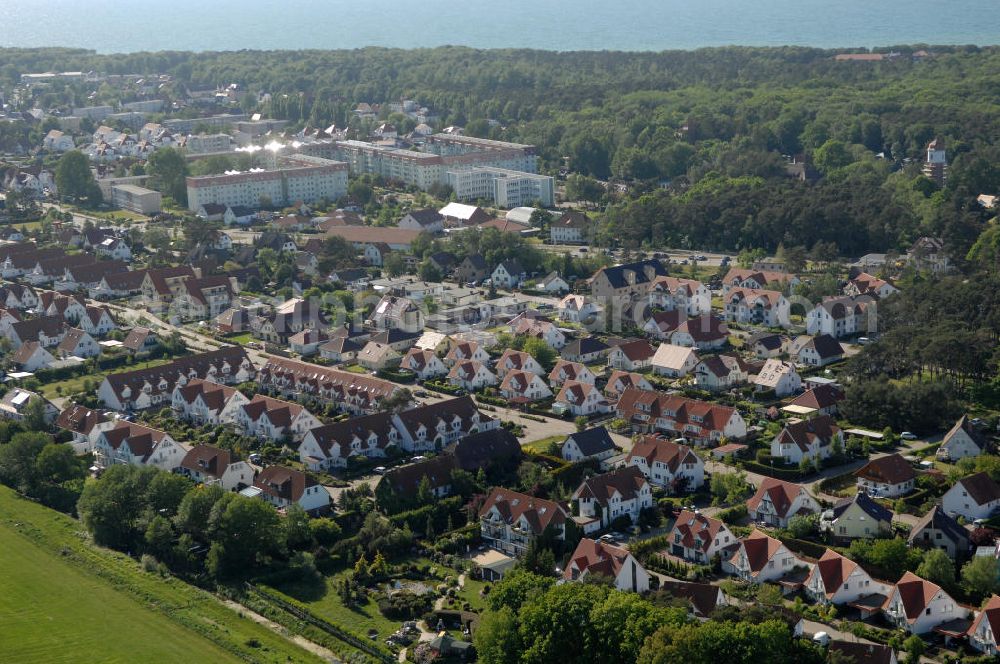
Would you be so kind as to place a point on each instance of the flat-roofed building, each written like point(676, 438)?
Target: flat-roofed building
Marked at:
point(137, 199)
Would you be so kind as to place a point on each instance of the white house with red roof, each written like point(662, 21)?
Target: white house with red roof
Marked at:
point(836, 579)
point(271, 419)
point(667, 464)
point(687, 295)
point(918, 606)
point(756, 279)
point(631, 356)
point(704, 333)
point(466, 350)
point(510, 520)
point(564, 370)
point(471, 375)
point(204, 402)
point(974, 497)
point(985, 631)
point(517, 360)
point(581, 399)
point(807, 439)
point(620, 380)
point(606, 497)
point(210, 465)
point(596, 558)
point(698, 421)
point(760, 558)
point(424, 363)
point(761, 307)
point(283, 487)
point(889, 476)
point(776, 502)
point(867, 284)
point(700, 538)
point(521, 386)
point(716, 373)
point(137, 445)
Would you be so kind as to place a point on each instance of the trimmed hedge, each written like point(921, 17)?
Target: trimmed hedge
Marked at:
point(809, 549)
point(790, 474)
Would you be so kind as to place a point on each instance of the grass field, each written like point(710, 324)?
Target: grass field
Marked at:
point(75, 384)
point(65, 600)
point(541, 445)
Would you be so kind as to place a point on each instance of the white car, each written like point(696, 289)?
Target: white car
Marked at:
point(908, 435)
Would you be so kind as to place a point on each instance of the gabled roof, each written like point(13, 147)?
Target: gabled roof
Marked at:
point(136, 338)
point(655, 449)
point(637, 351)
point(406, 480)
point(891, 469)
point(981, 488)
point(282, 482)
point(991, 614)
point(825, 346)
point(867, 505)
point(442, 412)
point(972, 432)
point(480, 450)
point(592, 441)
point(363, 427)
point(595, 557)
point(781, 494)
point(704, 597)
point(915, 594)
point(863, 653)
point(644, 273)
point(760, 548)
point(819, 397)
point(80, 419)
point(669, 356)
point(513, 505)
point(26, 352)
point(806, 432)
point(833, 569)
point(575, 392)
point(625, 482)
point(937, 519)
point(705, 415)
point(207, 460)
point(697, 531)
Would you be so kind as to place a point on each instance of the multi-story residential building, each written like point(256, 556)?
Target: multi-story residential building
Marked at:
point(283, 487)
point(697, 421)
point(620, 493)
point(573, 227)
point(204, 402)
point(355, 393)
point(271, 419)
point(918, 606)
point(137, 445)
point(777, 502)
point(626, 281)
point(504, 188)
point(137, 199)
point(700, 538)
point(667, 464)
point(807, 439)
point(752, 279)
point(301, 178)
point(841, 316)
point(676, 294)
point(761, 307)
point(890, 476)
point(510, 521)
point(210, 465)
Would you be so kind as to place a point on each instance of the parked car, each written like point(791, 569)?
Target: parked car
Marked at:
point(908, 435)
point(379, 470)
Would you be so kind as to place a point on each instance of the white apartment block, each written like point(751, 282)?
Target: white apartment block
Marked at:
point(205, 143)
point(503, 187)
point(300, 178)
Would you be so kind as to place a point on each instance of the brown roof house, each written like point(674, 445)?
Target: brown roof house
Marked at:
point(214, 466)
point(510, 521)
point(593, 558)
point(887, 477)
point(283, 487)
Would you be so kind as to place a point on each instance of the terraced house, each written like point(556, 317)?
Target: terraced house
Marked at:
point(698, 421)
point(509, 521)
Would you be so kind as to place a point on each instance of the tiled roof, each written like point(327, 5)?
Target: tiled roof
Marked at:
point(592, 441)
point(891, 469)
point(781, 494)
point(512, 505)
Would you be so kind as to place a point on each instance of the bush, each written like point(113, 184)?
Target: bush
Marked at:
point(405, 605)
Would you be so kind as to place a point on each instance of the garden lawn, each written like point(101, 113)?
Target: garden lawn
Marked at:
point(539, 446)
point(64, 600)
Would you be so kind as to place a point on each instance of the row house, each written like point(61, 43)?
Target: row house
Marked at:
point(760, 558)
point(718, 373)
point(760, 307)
point(510, 521)
point(69, 306)
point(675, 294)
point(354, 393)
point(434, 426)
point(53, 268)
point(205, 403)
point(517, 360)
point(203, 298)
point(137, 445)
point(330, 445)
point(274, 419)
point(698, 421)
point(667, 464)
point(565, 371)
point(18, 297)
point(83, 424)
point(48, 331)
point(77, 343)
point(154, 386)
point(214, 466)
point(86, 277)
point(424, 363)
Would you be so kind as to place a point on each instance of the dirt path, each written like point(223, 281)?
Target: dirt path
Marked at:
point(300, 641)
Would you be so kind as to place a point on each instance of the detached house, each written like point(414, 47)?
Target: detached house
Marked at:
point(508, 274)
point(631, 356)
point(963, 440)
point(974, 497)
point(821, 399)
point(471, 375)
point(521, 387)
point(761, 558)
point(596, 558)
point(593, 443)
point(585, 350)
point(807, 439)
point(619, 381)
point(779, 377)
point(984, 634)
point(667, 464)
point(31, 357)
point(918, 606)
point(937, 530)
point(603, 498)
point(866, 284)
point(818, 351)
point(581, 399)
point(839, 580)
point(886, 477)
point(840, 316)
point(856, 518)
point(424, 363)
point(517, 360)
point(466, 350)
point(717, 373)
point(540, 329)
point(573, 227)
point(700, 538)
point(283, 487)
point(704, 333)
point(565, 371)
point(77, 343)
point(510, 521)
point(777, 502)
point(211, 465)
point(578, 308)
point(673, 361)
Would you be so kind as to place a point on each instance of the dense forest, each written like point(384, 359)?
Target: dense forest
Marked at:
point(698, 140)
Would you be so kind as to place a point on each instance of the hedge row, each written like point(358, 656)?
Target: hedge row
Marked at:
point(809, 549)
point(790, 474)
